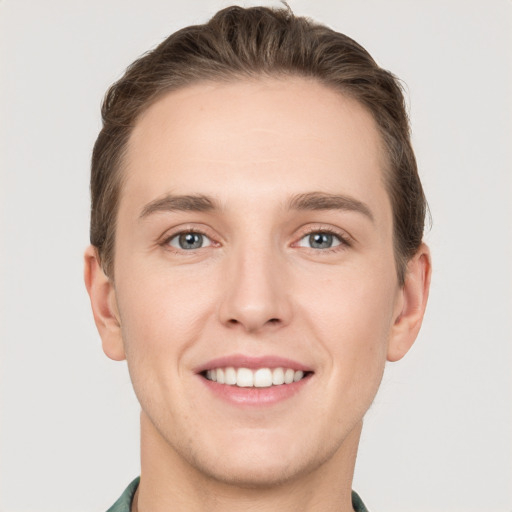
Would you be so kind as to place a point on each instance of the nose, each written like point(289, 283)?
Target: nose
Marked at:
point(256, 292)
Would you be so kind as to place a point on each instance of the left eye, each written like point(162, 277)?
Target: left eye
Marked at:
point(189, 240)
point(320, 240)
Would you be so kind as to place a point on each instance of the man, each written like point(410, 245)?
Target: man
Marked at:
point(256, 256)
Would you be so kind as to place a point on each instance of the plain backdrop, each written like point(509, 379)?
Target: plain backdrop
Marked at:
point(439, 435)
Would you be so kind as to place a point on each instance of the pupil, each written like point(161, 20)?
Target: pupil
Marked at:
point(320, 240)
point(191, 241)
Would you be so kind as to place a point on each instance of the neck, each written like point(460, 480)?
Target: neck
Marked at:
point(168, 482)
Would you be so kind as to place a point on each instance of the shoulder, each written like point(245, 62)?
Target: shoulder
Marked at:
point(123, 504)
point(357, 503)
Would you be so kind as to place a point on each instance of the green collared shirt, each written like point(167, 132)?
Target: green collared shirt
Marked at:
point(124, 503)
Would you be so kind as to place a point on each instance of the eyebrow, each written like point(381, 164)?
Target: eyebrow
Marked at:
point(324, 201)
point(172, 203)
point(313, 201)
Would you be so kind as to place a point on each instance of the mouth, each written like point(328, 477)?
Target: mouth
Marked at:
point(263, 377)
point(254, 381)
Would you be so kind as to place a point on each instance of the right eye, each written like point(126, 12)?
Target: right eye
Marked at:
point(189, 240)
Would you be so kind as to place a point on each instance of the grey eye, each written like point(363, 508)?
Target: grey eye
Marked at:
point(189, 241)
point(320, 240)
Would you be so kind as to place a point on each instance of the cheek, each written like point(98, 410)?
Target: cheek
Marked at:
point(161, 318)
point(351, 302)
point(162, 312)
point(352, 316)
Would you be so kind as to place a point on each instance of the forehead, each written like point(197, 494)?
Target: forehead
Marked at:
point(287, 135)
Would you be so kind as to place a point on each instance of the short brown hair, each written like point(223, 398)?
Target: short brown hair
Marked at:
point(242, 43)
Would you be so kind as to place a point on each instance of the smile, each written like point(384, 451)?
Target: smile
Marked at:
point(257, 378)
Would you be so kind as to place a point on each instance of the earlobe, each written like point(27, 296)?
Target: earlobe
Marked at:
point(414, 295)
point(104, 306)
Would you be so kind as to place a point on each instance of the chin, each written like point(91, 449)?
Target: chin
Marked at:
point(253, 473)
point(258, 465)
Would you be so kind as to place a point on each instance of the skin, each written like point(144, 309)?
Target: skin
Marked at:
point(256, 288)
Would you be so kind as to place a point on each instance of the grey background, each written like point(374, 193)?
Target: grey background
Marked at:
point(438, 437)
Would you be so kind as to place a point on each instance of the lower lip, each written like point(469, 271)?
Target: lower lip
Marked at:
point(255, 396)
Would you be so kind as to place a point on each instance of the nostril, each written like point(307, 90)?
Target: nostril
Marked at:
point(270, 321)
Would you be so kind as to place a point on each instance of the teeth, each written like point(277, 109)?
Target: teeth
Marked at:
point(263, 378)
point(296, 376)
point(278, 377)
point(230, 376)
point(260, 378)
point(244, 378)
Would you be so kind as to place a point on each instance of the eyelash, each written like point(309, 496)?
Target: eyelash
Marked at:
point(167, 241)
point(345, 240)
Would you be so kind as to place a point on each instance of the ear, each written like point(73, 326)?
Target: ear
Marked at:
point(411, 304)
point(104, 305)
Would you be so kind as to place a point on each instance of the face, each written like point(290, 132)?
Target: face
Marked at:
point(255, 281)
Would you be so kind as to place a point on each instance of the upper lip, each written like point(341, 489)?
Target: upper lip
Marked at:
point(252, 362)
